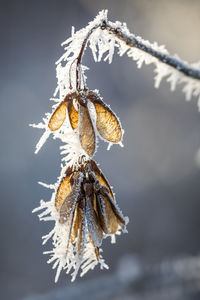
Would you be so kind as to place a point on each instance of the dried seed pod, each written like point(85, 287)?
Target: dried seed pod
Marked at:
point(93, 223)
point(101, 211)
point(100, 176)
point(68, 194)
point(73, 115)
point(58, 117)
point(86, 131)
point(76, 223)
point(81, 236)
point(108, 218)
point(115, 209)
point(64, 189)
point(68, 206)
point(107, 122)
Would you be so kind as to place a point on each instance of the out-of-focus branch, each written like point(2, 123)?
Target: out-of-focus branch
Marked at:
point(132, 41)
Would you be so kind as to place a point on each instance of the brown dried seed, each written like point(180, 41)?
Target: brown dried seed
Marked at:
point(107, 123)
point(80, 243)
point(86, 131)
point(101, 214)
point(93, 223)
point(58, 117)
point(100, 176)
point(109, 217)
point(63, 191)
point(115, 209)
point(73, 115)
point(76, 223)
point(67, 206)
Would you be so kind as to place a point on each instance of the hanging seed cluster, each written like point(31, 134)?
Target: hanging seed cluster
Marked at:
point(82, 205)
point(107, 124)
point(84, 193)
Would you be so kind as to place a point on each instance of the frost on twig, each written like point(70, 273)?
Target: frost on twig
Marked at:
point(83, 206)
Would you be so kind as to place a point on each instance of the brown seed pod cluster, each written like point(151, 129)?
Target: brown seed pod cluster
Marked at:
point(76, 106)
point(84, 196)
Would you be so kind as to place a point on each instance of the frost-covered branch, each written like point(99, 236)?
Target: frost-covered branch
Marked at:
point(136, 42)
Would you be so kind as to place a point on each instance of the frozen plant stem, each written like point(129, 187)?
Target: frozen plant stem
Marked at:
point(132, 41)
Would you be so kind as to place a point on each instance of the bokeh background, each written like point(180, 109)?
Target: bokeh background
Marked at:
point(155, 176)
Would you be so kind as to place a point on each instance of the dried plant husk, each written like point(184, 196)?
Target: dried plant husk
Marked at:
point(77, 218)
point(100, 176)
point(101, 211)
point(81, 235)
point(68, 194)
point(107, 122)
point(115, 209)
point(73, 115)
point(58, 117)
point(94, 226)
point(68, 205)
point(64, 189)
point(86, 130)
point(108, 218)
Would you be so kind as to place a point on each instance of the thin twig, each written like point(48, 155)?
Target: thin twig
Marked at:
point(132, 41)
point(79, 58)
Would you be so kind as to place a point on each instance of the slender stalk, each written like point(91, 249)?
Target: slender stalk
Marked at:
point(79, 58)
point(132, 41)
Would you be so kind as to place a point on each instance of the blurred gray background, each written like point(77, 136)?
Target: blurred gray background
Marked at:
point(154, 176)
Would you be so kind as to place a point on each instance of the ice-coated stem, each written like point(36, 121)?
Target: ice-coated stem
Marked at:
point(132, 41)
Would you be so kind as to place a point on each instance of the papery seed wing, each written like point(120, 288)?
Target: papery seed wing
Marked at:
point(116, 210)
point(101, 211)
point(93, 223)
point(58, 117)
point(63, 190)
point(86, 131)
point(69, 202)
point(67, 207)
point(109, 217)
point(100, 176)
point(81, 236)
point(76, 223)
point(107, 123)
point(73, 115)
